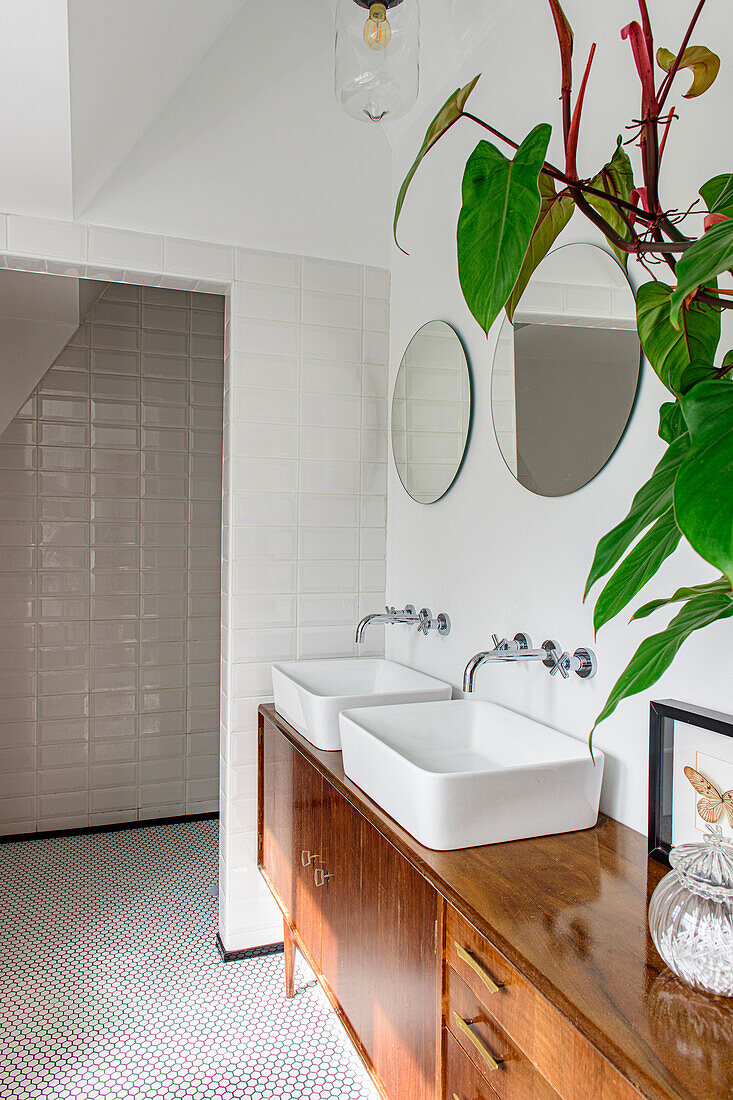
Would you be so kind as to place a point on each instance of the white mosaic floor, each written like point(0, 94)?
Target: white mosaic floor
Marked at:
point(111, 986)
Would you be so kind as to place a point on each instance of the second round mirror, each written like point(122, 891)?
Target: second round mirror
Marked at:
point(431, 412)
point(566, 371)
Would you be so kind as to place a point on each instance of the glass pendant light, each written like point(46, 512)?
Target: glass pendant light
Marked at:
point(377, 58)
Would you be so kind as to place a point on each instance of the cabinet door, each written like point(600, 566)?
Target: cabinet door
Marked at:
point(406, 983)
point(308, 797)
point(345, 960)
point(379, 951)
point(277, 757)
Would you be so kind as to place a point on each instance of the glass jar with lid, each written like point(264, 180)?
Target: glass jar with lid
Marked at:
point(691, 914)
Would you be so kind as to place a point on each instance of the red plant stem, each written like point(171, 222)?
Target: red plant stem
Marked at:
point(711, 300)
point(667, 82)
point(663, 142)
point(646, 27)
point(650, 141)
point(571, 149)
point(608, 231)
point(565, 42)
point(560, 177)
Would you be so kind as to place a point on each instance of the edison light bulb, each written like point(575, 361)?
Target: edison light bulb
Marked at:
point(377, 31)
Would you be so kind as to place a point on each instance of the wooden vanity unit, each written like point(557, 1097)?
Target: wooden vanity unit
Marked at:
point(522, 971)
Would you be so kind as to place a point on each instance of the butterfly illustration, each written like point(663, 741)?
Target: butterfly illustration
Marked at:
point(711, 805)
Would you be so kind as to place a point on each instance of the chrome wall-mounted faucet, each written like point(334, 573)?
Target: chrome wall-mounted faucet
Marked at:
point(423, 619)
point(582, 662)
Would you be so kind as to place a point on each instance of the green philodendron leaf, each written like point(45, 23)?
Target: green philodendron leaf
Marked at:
point(638, 567)
point(694, 372)
point(501, 203)
point(700, 265)
point(703, 492)
point(668, 349)
point(555, 213)
point(682, 595)
point(655, 654)
point(616, 178)
point(705, 66)
point(718, 194)
point(671, 421)
point(651, 501)
point(449, 113)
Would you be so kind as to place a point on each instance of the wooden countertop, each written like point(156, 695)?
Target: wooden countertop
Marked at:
point(569, 911)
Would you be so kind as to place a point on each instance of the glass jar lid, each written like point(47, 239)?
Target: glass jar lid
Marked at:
point(706, 867)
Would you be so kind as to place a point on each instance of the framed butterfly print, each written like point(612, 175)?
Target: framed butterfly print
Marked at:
point(690, 775)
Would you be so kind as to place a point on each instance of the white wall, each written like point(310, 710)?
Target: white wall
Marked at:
point(495, 557)
point(305, 473)
point(36, 121)
point(126, 61)
point(253, 149)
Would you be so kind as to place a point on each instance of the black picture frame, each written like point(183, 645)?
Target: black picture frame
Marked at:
point(662, 717)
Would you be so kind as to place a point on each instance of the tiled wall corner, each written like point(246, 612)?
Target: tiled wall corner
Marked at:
point(305, 492)
point(304, 483)
point(110, 486)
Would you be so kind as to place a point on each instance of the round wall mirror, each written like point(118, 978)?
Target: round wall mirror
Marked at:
point(431, 412)
point(566, 371)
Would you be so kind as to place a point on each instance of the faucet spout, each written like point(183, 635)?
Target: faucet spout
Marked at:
point(506, 651)
point(376, 617)
point(469, 673)
point(390, 615)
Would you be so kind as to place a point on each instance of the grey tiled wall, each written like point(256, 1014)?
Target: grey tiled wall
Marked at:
point(110, 547)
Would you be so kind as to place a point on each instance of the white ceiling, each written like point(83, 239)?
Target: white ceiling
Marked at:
point(127, 60)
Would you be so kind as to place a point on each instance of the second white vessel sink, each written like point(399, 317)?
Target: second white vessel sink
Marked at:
point(310, 694)
point(468, 772)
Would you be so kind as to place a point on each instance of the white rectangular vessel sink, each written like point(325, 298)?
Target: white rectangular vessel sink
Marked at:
point(464, 773)
point(310, 694)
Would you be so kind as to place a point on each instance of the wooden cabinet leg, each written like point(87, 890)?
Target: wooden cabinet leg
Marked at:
point(289, 960)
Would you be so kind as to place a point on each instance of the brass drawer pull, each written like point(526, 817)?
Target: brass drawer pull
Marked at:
point(477, 968)
point(491, 1062)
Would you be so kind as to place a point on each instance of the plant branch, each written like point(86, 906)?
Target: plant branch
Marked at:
point(663, 142)
point(571, 148)
point(598, 220)
point(556, 174)
point(667, 82)
point(565, 41)
point(713, 300)
point(647, 29)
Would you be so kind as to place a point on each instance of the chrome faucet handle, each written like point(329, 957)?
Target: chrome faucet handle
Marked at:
point(495, 640)
point(426, 620)
point(428, 623)
point(552, 649)
point(583, 663)
point(562, 665)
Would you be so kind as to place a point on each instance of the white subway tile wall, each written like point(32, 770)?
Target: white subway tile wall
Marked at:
point(294, 348)
point(305, 472)
point(110, 491)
